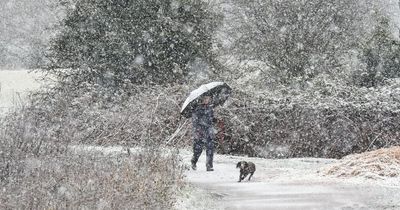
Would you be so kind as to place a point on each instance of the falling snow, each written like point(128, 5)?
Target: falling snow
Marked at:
point(91, 95)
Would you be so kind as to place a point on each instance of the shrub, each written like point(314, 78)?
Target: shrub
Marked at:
point(139, 181)
point(38, 170)
point(319, 121)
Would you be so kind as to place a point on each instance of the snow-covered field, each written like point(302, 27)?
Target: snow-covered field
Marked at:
point(14, 86)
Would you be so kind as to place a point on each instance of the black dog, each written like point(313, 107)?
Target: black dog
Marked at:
point(245, 169)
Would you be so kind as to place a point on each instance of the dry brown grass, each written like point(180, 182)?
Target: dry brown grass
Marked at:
point(141, 181)
point(375, 164)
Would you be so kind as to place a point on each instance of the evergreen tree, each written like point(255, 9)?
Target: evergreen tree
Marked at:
point(109, 42)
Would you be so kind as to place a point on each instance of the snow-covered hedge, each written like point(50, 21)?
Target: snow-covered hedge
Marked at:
point(321, 119)
point(95, 116)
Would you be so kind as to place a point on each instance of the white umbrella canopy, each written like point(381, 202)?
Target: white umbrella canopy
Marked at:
point(219, 91)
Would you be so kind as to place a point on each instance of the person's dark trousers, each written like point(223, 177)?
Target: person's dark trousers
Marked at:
point(198, 148)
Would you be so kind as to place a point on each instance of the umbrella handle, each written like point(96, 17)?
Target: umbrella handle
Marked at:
point(176, 132)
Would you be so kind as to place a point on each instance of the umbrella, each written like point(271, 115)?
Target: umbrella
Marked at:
point(219, 91)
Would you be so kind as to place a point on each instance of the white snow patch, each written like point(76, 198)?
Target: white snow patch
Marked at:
point(194, 198)
point(14, 87)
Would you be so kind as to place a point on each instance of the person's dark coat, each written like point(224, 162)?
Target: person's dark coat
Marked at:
point(202, 121)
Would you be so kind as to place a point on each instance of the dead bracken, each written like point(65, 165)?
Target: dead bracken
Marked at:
point(374, 164)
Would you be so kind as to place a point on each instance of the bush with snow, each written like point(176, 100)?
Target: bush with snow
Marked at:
point(37, 169)
point(322, 119)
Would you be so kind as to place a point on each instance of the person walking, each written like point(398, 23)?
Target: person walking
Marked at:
point(199, 106)
point(203, 132)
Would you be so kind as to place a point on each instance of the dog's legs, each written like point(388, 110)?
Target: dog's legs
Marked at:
point(251, 174)
point(241, 177)
point(244, 175)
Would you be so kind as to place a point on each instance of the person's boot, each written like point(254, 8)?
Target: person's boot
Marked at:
point(209, 167)
point(194, 167)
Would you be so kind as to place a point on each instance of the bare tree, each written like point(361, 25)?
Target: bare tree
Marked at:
point(296, 38)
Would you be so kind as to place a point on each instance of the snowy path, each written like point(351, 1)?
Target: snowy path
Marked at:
point(285, 184)
point(277, 184)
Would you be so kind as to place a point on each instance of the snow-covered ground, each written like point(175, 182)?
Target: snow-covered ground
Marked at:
point(284, 184)
point(14, 86)
point(297, 183)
